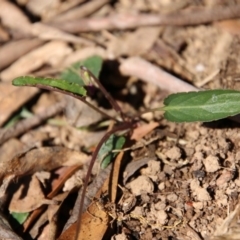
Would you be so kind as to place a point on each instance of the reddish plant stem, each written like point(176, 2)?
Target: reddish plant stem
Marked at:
point(75, 96)
point(113, 103)
point(122, 126)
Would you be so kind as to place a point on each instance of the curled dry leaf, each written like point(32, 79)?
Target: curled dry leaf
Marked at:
point(33, 199)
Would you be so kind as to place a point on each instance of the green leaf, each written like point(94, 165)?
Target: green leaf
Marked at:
point(50, 82)
point(20, 217)
point(72, 74)
point(202, 106)
point(71, 80)
point(105, 154)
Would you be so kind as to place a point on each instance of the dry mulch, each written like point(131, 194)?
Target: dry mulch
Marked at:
point(183, 184)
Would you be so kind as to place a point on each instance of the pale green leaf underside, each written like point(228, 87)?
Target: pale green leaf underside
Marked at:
point(72, 73)
point(201, 106)
point(105, 154)
point(20, 217)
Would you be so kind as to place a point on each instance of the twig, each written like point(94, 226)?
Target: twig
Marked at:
point(148, 72)
point(126, 21)
point(26, 124)
point(81, 11)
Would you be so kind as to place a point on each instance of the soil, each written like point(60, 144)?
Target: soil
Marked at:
point(184, 184)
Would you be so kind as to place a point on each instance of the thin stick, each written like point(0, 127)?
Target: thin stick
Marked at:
point(123, 21)
point(122, 126)
point(28, 123)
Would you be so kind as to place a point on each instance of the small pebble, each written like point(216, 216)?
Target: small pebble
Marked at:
point(211, 163)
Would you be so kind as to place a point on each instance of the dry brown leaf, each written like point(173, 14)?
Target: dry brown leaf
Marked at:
point(51, 53)
point(75, 181)
point(33, 199)
point(64, 173)
point(14, 99)
point(45, 158)
point(143, 130)
point(94, 221)
point(144, 36)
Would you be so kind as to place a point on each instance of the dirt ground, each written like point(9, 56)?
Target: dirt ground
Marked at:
point(175, 180)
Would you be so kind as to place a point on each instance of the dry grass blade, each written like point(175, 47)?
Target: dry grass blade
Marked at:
point(229, 229)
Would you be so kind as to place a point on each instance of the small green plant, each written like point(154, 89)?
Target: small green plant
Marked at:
point(201, 106)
